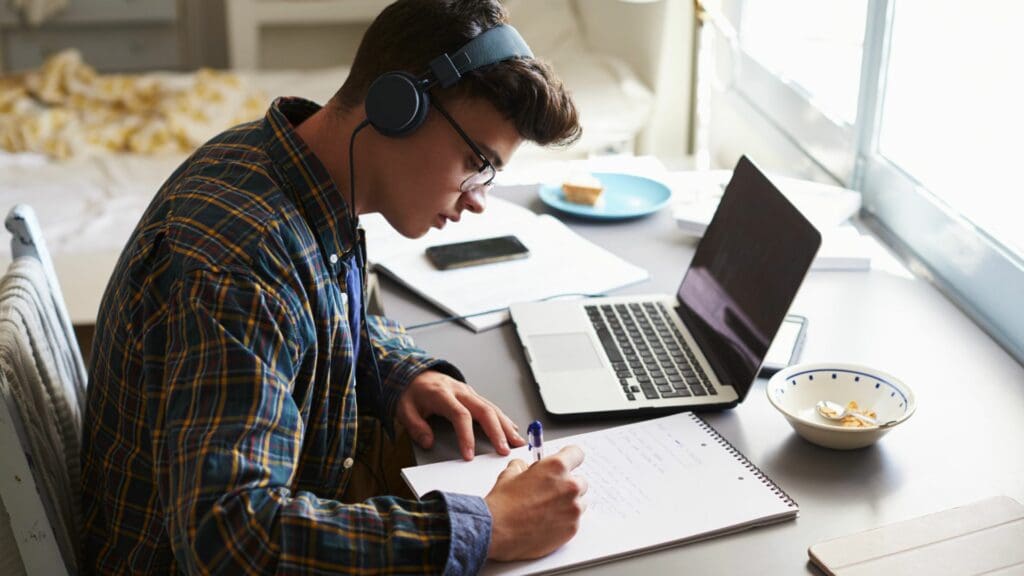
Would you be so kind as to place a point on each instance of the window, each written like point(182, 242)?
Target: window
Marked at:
point(951, 116)
point(799, 63)
point(917, 104)
point(816, 46)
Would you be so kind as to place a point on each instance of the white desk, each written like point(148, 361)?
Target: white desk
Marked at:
point(965, 442)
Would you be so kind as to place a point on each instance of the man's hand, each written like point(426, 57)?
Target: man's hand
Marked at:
point(433, 393)
point(537, 509)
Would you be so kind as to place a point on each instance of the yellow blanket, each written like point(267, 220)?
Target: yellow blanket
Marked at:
point(66, 109)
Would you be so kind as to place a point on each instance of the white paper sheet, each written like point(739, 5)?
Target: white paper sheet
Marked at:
point(697, 195)
point(561, 262)
point(501, 217)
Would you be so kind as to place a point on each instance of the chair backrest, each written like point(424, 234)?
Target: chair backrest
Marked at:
point(27, 240)
point(42, 393)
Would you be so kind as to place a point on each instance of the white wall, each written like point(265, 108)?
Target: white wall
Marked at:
point(737, 129)
point(656, 40)
point(310, 47)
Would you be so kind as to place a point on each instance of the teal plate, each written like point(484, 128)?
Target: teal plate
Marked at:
point(624, 196)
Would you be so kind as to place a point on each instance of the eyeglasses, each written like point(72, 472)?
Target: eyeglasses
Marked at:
point(481, 181)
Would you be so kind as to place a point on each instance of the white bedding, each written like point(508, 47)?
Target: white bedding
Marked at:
point(91, 204)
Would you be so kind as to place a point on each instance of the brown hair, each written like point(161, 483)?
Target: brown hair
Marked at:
point(408, 34)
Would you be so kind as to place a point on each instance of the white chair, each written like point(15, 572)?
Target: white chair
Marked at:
point(42, 394)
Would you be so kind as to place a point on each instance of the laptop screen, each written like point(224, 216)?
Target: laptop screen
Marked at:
point(744, 275)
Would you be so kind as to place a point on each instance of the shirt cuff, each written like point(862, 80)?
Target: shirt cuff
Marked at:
point(470, 532)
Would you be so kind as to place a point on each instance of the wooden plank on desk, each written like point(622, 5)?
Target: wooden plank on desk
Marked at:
point(979, 538)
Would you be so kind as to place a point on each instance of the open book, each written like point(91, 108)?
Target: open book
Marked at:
point(653, 484)
point(561, 262)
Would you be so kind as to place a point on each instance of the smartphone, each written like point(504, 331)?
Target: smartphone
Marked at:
point(786, 347)
point(475, 252)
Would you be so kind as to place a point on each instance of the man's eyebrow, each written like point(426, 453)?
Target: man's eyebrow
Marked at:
point(493, 156)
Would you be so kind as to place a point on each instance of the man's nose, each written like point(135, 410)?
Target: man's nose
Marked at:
point(475, 201)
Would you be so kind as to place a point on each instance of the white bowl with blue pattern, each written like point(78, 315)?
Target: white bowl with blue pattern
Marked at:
point(796, 390)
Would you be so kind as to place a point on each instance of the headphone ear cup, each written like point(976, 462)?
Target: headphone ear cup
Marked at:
point(396, 104)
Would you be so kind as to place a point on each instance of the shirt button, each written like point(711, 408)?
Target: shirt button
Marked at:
point(348, 463)
point(334, 258)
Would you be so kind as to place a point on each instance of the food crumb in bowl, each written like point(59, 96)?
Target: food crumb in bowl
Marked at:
point(851, 421)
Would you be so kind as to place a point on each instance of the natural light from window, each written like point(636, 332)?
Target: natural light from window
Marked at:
point(813, 45)
point(952, 115)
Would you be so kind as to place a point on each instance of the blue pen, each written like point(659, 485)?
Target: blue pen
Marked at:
point(535, 439)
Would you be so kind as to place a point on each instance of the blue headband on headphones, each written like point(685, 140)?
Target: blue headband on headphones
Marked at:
point(397, 102)
point(493, 46)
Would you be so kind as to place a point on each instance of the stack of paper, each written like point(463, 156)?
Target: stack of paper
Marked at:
point(829, 208)
point(844, 248)
point(698, 194)
point(561, 263)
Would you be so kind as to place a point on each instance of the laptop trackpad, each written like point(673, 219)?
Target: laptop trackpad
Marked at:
point(564, 352)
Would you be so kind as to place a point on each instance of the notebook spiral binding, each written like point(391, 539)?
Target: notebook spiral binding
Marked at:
point(743, 460)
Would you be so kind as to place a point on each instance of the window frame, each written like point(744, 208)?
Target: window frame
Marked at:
point(979, 274)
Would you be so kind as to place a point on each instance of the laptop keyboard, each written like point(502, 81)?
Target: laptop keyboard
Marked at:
point(647, 351)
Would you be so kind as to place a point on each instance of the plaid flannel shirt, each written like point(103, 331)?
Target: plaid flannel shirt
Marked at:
point(223, 404)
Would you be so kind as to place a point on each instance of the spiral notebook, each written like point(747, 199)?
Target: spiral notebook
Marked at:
point(653, 484)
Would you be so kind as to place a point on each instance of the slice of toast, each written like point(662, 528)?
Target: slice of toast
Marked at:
point(583, 189)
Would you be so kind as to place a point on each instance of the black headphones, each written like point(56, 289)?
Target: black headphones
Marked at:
point(397, 102)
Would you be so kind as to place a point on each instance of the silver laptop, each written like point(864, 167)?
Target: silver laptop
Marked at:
point(700, 349)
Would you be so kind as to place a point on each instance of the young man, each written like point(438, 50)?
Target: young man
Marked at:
point(237, 392)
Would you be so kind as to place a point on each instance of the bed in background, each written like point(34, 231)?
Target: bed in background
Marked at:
point(88, 204)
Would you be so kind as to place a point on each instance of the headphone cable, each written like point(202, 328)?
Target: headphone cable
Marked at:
point(361, 262)
point(353, 219)
point(495, 310)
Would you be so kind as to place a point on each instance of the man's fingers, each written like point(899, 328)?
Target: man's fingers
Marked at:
point(510, 428)
point(583, 484)
point(515, 467)
point(571, 456)
point(461, 405)
point(487, 415)
point(462, 421)
point(418, 428)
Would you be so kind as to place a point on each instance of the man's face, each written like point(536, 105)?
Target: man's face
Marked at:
point(421, 175)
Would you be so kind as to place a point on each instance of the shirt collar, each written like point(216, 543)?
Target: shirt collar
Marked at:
point(307, 181)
